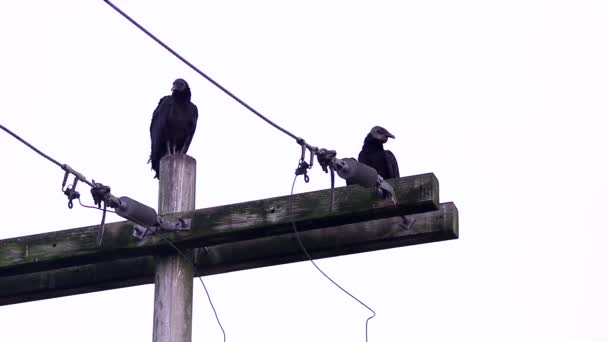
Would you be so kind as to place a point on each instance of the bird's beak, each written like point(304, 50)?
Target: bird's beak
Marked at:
point(173, 88)
point(390, 135)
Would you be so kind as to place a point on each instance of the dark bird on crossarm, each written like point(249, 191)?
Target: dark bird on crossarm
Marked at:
point(374, 155)
point(173, 124)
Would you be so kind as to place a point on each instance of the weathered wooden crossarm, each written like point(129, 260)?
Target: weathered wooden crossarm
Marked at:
point(438, 225)
point(359, 237)
point(217, 225)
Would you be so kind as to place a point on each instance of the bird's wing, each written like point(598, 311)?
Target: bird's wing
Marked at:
point(159, 120)
point(160, 113)
point(392, 165)
point(365, 158)
point(194, 110)
point(194, 117)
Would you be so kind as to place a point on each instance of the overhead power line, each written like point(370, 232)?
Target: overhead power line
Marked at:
point(64, 167)
point(198, 71)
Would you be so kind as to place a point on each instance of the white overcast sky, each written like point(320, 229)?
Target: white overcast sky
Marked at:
point(505, 101)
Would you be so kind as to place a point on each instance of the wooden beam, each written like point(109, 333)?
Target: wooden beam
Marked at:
point(360, 237)
point(213, 226)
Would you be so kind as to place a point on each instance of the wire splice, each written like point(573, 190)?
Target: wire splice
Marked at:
point(100, 193)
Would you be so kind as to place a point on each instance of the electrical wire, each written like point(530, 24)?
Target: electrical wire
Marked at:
point(64, 167)
point(71, 191)
point(32, 147)
point(199, 278)
point(198, 71)
point(297, 234)
point(94, 207)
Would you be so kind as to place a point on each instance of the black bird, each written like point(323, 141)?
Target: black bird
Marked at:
point(173, 124)
point(374, 155)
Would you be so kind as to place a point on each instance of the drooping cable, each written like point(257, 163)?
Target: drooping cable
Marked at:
point(305, 251)
point(199, 278)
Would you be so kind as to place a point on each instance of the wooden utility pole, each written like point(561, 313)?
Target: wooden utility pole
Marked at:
point(173, 272)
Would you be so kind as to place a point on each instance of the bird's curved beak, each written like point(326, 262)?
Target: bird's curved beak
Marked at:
point(389, 135)
point(173, 88)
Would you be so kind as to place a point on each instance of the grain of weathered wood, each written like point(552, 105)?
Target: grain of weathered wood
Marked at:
point(76, 280)
point(173, 273)
point(217, 225)
point(380, 234)
point(359, 237)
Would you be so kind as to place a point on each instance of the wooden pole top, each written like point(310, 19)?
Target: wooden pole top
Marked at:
point(174, 272)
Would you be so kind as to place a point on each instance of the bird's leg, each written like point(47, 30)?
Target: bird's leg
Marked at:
point(168, 144)
point(186, 144)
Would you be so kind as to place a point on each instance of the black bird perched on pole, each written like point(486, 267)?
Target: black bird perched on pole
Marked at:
point(374, 155)
point(173, 124)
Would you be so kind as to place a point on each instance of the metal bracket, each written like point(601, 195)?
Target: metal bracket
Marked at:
point(386, 190)
point(180, 224)
point(141, 232)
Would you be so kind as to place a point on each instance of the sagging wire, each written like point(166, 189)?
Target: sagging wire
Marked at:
point(103, 219)
point(305, 251)
point(100, 195)
point(199, 278)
